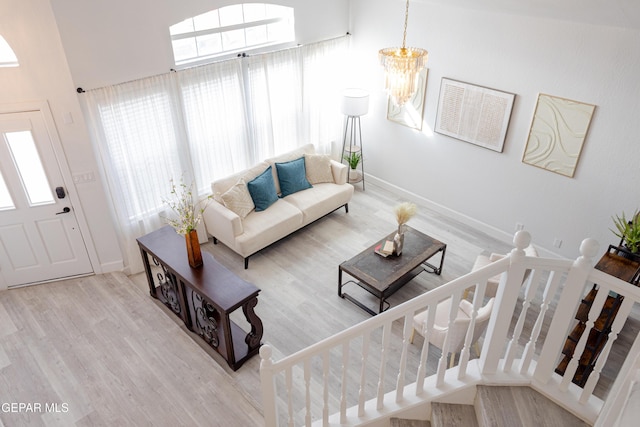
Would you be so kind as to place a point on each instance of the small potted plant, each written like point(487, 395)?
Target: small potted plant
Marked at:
point(628, 231)
point(353, 160)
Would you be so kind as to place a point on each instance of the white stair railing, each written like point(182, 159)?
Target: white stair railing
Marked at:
point(371, 371)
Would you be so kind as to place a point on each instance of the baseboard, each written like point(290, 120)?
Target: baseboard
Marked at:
point(489, 230)
point(110, 267)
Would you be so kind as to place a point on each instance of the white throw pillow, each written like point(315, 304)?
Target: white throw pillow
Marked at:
point(238, 199)
point(318, 167)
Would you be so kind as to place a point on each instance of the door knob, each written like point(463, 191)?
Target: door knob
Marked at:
point(65, 210)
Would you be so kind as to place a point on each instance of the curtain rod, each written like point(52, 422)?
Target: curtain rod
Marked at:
point(240, 55)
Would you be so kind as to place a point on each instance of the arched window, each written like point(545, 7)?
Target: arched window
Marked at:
point(7, 56)
point(231, 29)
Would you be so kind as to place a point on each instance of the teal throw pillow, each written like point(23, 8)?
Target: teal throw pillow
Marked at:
point(292, 176)
point(263, 190)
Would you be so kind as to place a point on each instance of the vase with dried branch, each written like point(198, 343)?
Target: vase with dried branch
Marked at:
point(404, 212)
point(187, 214)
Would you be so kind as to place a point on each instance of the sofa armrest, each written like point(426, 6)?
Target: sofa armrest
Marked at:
point(222, 223)
point(339, 171)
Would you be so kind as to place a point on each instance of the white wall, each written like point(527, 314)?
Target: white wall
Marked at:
point(525, 56)
point(114, 41)
point(29, 27)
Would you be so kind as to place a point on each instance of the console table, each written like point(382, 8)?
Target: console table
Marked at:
point(202, 297)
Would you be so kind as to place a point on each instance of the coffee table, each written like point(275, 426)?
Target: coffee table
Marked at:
point(381, 276)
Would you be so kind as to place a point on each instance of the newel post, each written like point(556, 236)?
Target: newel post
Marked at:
point(570, 298)
point(504, 305)
point(268, 386)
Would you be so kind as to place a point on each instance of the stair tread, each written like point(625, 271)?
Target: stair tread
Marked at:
point(520, 405)
point(453, 415)
point(404, 422)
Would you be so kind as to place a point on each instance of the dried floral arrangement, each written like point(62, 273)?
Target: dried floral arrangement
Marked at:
point(188, 213)
point(404, 212)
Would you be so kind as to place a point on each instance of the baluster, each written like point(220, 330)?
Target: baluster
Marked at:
point(478, 298)
point(549, 291)
point(267, 381)
point(596, 308)
point(442, 364)
point(621, 318)
point(427, 327)
point(288, 383)
point(325, 388)
point(408, 322)
point(363, 373)
point(386, 336)
point(307, 392)
point(569, 297)
point(345, 369)
point(510, 353)
point(506, 299)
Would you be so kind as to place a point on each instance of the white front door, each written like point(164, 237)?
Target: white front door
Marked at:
point(39, 235)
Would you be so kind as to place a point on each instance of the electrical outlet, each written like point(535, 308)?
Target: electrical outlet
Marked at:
point(519, 226)
point(557, 243)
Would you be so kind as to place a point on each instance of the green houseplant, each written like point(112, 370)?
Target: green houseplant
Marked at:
point(353, 159)
point(628, 231)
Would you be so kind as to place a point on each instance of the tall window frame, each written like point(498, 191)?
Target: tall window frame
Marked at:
point(229, 30)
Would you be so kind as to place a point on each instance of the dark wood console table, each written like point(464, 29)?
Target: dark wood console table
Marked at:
point(202, 297)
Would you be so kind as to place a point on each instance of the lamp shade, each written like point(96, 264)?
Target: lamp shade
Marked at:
point(355, 102)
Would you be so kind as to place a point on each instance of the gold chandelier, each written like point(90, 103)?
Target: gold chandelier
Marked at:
point(402, 66)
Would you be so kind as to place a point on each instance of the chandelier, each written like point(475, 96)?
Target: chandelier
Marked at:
point(402, 66)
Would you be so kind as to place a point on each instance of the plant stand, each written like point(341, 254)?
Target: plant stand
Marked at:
point(355, 175)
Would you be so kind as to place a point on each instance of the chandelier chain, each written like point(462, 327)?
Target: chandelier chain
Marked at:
point(406, 19)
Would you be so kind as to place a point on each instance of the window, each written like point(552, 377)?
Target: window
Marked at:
point(231, 29)
point(7, 56)
point(30, 168)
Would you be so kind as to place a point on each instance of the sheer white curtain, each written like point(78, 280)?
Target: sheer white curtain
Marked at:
point(138, 129)
point(215, 121)
point(207, 122)
point(294, 96)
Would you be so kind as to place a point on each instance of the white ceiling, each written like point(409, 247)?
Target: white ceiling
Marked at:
point(612, 13)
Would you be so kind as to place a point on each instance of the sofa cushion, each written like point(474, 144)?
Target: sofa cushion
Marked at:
point(238, 199)
point(292, 176)
point(265, 227)
point(222, 185)
point(318, 168)
point(263, 190)
point(286, 157)
point(321, 199)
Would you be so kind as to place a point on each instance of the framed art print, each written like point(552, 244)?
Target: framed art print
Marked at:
point(558, 130)
point(474, 114)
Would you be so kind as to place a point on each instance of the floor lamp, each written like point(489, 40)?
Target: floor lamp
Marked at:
point(355, 103)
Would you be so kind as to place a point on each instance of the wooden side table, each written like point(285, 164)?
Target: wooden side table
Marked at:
point(204, 297)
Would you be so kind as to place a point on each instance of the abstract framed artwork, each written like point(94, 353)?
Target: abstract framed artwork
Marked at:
point(558, 131)
point(474, 114)
point(410, 114)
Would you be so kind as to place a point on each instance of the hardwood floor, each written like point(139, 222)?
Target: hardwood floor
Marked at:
point(107, 353)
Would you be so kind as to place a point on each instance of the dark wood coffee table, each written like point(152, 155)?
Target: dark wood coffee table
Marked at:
point(381, 276)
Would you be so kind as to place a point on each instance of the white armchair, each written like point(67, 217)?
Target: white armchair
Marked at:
point(457, 330)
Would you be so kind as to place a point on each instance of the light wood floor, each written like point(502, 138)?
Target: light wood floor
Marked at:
point(104, 350)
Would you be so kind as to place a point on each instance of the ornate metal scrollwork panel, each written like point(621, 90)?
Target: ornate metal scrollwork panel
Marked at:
point(168, 287)
point(206, 324)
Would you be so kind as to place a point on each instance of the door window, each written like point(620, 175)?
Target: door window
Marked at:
point(5, 198)
point(29, 165)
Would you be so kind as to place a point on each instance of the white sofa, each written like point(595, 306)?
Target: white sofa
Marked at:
point(232, 219)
